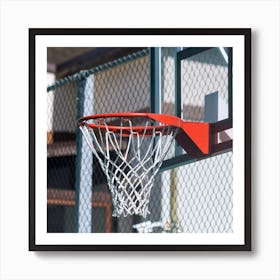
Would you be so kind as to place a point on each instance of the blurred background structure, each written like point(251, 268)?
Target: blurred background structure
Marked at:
point(189, 194)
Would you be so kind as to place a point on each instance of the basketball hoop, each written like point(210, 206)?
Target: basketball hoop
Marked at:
point(130, 148)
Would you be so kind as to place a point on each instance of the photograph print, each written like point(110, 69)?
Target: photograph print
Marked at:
point(140, 139)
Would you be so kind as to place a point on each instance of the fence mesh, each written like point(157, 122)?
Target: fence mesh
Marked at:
point(195, 197)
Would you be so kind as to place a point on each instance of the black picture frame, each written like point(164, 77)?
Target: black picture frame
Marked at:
point(34, 245)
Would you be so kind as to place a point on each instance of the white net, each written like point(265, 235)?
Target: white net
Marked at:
point(130, 161)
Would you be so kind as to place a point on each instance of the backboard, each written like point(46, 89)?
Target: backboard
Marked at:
point(196, 85)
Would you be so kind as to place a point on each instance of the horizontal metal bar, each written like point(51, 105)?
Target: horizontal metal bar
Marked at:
point(221, 125)
point(186, 159)
point(189, 52)
point(222, 146)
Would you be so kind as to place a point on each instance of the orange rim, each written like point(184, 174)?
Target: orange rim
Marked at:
point(194, 137)
point(126, 130)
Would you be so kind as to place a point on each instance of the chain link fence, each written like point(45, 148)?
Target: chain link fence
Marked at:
point(194, 197)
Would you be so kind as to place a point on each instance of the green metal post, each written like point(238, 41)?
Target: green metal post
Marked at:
point(84, 159)
point(178, 95)
point(155, 97)
point(230, 83)
point(155, 74)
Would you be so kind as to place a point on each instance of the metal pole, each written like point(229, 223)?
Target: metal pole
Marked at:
point(230, 82)
point(178, 94)
point(156, 97)
point(174, 201)
point(155, 62)
point(84, 159)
